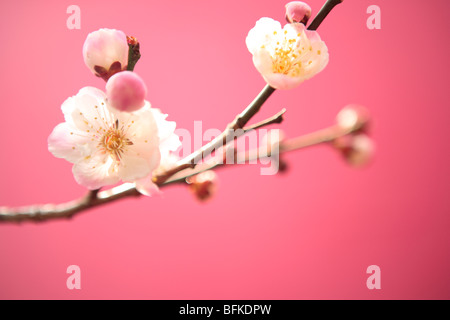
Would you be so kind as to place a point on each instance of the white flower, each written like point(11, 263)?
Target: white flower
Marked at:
point(107, 146)
point(287, 56)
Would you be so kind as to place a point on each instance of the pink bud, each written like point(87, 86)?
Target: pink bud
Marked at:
point(297, 11)
point(126, 91)
point(362, 151)
point(203, 185)
point(105, 52)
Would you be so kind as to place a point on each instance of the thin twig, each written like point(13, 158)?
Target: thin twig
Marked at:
point(326, 9)
point(277, 118)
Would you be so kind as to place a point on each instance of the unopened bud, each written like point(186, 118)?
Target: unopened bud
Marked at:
point(297, 11)
point(105, 52)
point(203, 185)
point(353, 117)
point(358, 149)
point(126, 91)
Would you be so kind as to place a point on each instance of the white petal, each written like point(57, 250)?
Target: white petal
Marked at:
point(66, 142)
point(315, 60)
point(295, 28)
point(140, 125)
point(146, 150)
point(313, 36)
point(263, 32)
point(87, 100)
point(169, 141)
point(146, 186)
point(87, 110)
point(170, 144)
point(134, 167)
point(95, 172)
point(68, 107)
point(93, 92)
point(168, 161)
point(263, 61)
point(165, 128)
point(292, 30)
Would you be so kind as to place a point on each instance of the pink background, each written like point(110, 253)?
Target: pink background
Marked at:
point(309, 234)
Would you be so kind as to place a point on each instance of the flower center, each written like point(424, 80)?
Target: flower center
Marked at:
point(114, 142)
point(286, 57)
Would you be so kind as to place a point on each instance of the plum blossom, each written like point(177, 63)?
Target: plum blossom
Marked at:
point(287, 56)
point(107, 146)
point(105, 52)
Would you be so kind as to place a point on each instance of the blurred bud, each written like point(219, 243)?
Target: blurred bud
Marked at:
point(105, 52)
point(126, 91)
point(203, 185)
point(357, 149)
point(297, 11)
point(283, 166)
point(353, 117)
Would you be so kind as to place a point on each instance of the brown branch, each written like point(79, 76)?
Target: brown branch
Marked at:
point(326, 9)
point(38, 213)
point(162, 177)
